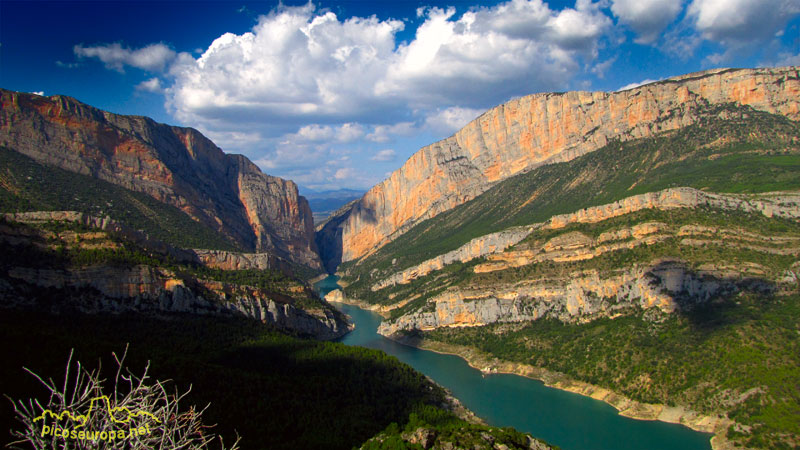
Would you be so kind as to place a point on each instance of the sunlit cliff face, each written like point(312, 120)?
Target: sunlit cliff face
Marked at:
point(543, 128)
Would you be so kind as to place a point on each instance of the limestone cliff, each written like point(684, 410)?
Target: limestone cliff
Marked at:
point(667, 285)
point(555, 270)
point(175, 165)
point(544, 128)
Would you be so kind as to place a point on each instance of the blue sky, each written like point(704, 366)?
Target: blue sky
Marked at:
point(336, 94)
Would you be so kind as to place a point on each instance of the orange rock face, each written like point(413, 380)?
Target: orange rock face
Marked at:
point(545, 128)
point(175, 165)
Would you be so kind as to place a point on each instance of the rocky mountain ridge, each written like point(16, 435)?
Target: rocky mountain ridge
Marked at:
point(175, 165)
point(538, 129)
point(65, 261)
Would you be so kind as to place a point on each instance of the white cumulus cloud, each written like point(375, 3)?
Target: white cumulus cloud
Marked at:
point(647, 18)
point(637, 84)
point(383, 133)
point(488, 55)
point(151, 85)
point(295, 66)
point(450, 120)
point(737, 22)
point(384, 155)
point(299, 66)
point(154, 57)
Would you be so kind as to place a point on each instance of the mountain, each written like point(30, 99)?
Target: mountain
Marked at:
point(541, 129)
point(176, 166)
point(325, 203)
point(659, 272)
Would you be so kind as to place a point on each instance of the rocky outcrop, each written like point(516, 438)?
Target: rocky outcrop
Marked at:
point(493, 246)
point(224, 260)
point(544, 128)
point(142, 288)
point(484, 245)
point(175, 165)
point(770, 204)
point(667, 285)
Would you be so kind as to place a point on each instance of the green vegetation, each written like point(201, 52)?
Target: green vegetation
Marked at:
point(26, 185)
point(752, 222)
point(444, 428)
point(739, 355)
point(730, 149)
point(276, 391)
point(726, 250)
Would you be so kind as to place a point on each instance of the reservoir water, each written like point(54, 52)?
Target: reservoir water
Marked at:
point(570, 421)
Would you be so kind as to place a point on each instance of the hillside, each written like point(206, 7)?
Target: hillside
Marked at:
point(663, 269)
point(731, 149)
point(69, 262)
point(525, 133)
point(26, 185)
point(176, 166)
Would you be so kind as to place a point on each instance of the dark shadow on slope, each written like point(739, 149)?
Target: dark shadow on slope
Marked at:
point(703, 297)
point(329, 237)
point(276, 391)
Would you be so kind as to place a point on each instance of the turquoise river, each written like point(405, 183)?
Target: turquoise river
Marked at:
point(570, 421)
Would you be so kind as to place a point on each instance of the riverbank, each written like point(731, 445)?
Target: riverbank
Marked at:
point(317, 279)
point(338, 296)
point(487, 364)
point(451, 402)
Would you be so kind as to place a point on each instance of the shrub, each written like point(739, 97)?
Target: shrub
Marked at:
point(137, 413)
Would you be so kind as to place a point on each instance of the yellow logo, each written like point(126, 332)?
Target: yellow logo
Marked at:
point(82, 419)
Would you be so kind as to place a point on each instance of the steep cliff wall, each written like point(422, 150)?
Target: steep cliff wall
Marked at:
point(175, 165)
point(544, 128)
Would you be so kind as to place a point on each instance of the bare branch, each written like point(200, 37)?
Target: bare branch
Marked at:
point(135, 405)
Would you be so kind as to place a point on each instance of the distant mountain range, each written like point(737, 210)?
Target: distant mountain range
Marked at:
point(325, 203)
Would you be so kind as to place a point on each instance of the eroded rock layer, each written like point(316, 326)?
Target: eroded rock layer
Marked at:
point(493, 245)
